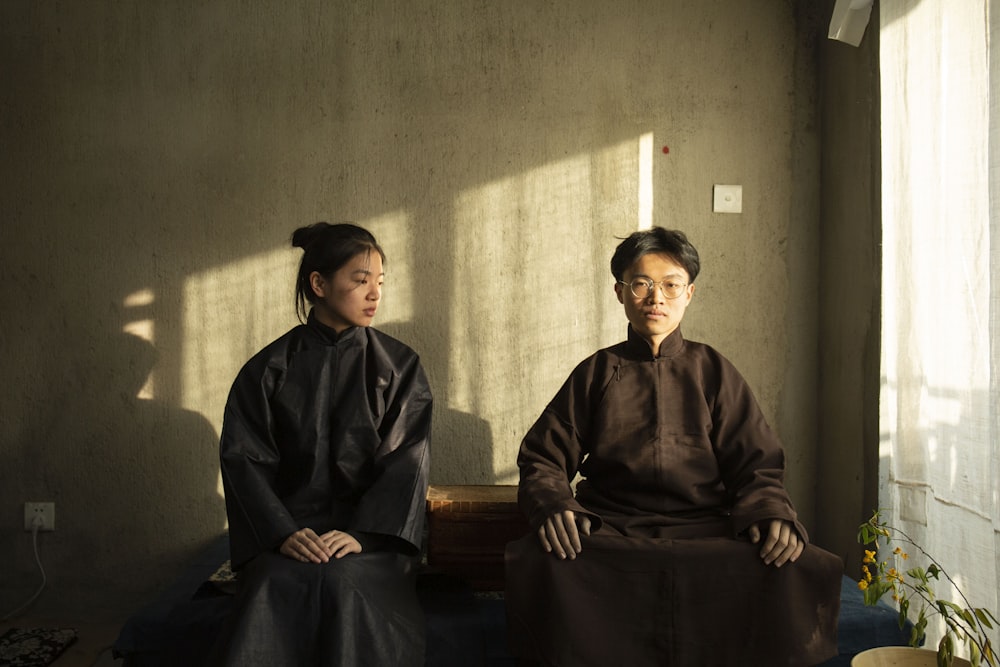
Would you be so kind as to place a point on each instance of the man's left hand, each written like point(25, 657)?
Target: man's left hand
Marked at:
point(781, 541)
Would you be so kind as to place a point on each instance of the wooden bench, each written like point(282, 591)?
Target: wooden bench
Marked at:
point(468, 527)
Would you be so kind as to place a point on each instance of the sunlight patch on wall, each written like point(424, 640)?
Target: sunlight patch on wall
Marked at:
point(230, 312)
point(536, 298)
point(392, 231)
point(646, 181)
point(135, 307)
point(522, 276)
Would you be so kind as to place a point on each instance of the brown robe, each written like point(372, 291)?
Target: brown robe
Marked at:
point(677, 462)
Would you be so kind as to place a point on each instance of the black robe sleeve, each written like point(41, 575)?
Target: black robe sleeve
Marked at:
point(258, 519)
point(329, 432)
point(395, 503)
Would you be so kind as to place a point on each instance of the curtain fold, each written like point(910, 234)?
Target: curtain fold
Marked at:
point(940, 391)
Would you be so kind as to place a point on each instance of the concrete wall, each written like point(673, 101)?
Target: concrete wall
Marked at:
point(157, 156)
point(850, 293)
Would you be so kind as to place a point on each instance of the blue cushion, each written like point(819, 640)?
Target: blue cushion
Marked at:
point(861, 627)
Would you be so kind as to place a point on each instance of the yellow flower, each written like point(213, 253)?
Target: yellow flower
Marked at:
point(879, 579)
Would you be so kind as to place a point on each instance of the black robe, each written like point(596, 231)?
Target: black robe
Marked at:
point(326, 431)
point(677, 462)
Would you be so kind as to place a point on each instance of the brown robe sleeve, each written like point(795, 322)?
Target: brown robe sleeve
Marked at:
point(751, 458)
point(552, 451)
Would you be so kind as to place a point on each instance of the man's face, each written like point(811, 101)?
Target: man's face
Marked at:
point(655, 317)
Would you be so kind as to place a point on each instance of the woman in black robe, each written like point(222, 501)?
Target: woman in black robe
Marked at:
point(324, 455)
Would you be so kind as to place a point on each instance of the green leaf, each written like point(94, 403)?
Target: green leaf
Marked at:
point(985, 617)
point(946, 651)
point(990, 655)
point(918, 632)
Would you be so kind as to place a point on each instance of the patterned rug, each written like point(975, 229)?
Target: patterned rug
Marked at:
point(34, 647)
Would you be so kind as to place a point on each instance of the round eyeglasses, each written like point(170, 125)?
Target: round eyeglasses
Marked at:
point(641, 288)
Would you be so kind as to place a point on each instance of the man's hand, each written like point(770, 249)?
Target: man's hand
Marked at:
point(306, 546)
point(781, 544)
point(559, 534)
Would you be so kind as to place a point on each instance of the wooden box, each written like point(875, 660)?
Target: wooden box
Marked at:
point(468, 529)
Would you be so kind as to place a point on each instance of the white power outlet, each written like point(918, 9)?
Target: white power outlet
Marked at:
point(43, 512)
point(727, 199)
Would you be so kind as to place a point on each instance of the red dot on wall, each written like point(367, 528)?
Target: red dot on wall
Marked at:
point(666, 149)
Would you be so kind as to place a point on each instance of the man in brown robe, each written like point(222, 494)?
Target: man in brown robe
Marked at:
point(680, 545)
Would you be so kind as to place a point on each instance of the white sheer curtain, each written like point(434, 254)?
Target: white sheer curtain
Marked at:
point(940, 420)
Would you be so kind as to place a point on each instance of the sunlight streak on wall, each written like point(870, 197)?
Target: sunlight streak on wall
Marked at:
point(230, 312)
point(539, 299)
point(138, 299)
point(143, 327)
point(646, 181)
point(392, 231)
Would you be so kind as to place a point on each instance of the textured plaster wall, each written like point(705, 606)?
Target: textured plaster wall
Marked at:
point(157, 156)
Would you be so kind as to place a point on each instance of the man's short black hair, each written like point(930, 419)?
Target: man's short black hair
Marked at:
point(670, 242)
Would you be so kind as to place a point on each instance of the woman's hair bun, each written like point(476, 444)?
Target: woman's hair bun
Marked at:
point(303, 237)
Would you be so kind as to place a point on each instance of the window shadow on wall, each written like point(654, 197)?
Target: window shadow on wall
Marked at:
point(136, 490)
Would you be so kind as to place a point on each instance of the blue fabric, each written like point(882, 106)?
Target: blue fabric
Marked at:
point(862, 627)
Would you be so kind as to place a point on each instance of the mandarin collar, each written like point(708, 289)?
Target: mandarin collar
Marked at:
point(329, 334)
point(670, 347)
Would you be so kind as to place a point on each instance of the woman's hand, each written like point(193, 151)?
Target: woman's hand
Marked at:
point(306, 546)
point(340, 543)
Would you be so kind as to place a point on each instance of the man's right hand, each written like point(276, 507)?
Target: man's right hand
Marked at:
point(560, 536)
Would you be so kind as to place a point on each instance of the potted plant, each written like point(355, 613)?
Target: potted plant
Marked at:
point(913, 590)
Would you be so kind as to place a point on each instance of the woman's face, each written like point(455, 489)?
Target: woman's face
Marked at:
point(350, 297)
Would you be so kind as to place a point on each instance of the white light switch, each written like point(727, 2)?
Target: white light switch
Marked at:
point(727, 199)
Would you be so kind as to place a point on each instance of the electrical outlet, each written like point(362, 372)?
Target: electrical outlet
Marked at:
point(46, 512)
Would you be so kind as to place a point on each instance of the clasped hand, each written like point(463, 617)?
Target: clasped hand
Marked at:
point(306, 546)
point(782, 543)
point(560, 535)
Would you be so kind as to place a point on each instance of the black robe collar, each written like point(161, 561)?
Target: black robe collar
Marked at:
point(329, 334)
